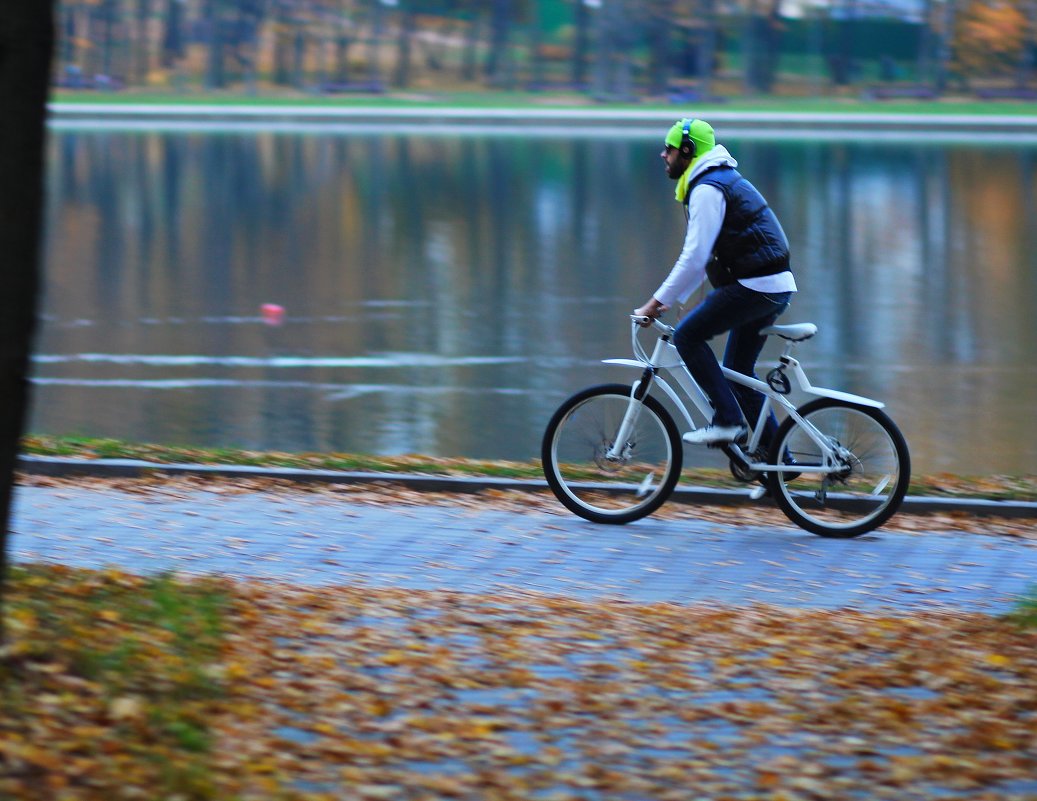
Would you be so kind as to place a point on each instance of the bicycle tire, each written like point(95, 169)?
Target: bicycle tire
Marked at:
point(869, 489)
point(573, 456)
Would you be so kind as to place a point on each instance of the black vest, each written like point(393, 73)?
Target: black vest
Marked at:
point(751, 242)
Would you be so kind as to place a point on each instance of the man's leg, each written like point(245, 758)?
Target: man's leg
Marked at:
point(709, 318)
point(743, 349)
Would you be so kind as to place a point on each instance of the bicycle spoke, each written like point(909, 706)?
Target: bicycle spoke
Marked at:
point(646, 485)
point(631, 483)
point(864, 484)
point(883, 483)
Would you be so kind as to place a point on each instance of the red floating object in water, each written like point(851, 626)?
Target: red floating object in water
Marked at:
point(272, 313)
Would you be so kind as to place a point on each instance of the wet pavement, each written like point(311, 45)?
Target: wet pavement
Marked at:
point(314, 538)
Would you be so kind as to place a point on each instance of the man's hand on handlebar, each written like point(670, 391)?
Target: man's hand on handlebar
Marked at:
point(649, 311)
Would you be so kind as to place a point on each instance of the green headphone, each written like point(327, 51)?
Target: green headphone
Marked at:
point(687, 143)
point(691, 137)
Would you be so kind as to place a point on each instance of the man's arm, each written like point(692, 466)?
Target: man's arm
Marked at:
point(705, 215)
point(652, 308)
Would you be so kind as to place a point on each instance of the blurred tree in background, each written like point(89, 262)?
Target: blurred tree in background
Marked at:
point(991, 38)
point(609, 49)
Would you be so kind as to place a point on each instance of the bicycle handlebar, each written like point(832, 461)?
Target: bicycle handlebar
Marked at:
point(637, 323)
point(640, 320)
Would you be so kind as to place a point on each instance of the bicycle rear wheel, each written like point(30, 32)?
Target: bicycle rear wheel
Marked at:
point(586, 480)
point(872, 469)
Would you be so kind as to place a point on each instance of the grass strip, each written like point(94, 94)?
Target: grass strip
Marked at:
point(102, 448)
point(1024, 614)
point(559, 101)
point(992, 487)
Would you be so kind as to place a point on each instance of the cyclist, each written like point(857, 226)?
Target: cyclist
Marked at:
point(734, 239)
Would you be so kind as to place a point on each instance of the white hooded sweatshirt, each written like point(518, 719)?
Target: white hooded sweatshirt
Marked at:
point(706, 208)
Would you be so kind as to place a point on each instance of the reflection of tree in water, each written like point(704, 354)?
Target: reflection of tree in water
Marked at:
point(505, 245)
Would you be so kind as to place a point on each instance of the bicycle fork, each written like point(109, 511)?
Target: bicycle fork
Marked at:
point(620, 448)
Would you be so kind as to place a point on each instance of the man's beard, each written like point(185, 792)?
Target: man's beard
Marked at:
point(677, 170)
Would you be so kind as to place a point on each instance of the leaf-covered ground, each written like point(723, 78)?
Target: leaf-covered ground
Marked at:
point(108, 684)
point(202, 690)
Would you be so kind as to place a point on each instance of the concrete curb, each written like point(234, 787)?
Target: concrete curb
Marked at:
point(601, 121)
point(62, 467)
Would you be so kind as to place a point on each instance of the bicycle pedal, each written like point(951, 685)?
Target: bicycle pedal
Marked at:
point(741, 442)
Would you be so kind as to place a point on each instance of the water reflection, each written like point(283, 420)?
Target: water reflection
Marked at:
point(443, 293)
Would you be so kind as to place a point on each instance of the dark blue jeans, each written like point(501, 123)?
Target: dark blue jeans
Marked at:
point(743, 312)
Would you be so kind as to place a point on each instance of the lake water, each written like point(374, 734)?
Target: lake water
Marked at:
point(444, 293)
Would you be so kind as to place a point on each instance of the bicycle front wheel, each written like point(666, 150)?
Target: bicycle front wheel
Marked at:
point(858, 486)
point(603, 483)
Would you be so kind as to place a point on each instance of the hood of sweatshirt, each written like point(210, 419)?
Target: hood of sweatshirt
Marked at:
point(717, 156)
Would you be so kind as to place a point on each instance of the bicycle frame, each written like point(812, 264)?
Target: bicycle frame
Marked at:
point(665, 357)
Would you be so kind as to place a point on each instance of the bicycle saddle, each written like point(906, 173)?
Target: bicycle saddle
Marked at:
point(796, 332)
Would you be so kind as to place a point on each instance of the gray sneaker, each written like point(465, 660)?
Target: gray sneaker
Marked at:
point(716, 435)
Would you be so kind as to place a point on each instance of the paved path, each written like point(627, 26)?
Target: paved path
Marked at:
point(321, 539)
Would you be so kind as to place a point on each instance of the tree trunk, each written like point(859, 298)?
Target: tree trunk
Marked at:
point(659, 28)
point(772, 46)
point(761, 46)
point(250, 21)
point(613, 80)
point(579, 63)
point(817, 50)
point(299, 44)
point(840, 58)
point(403, 44)
point(471, 57)
point(374, 45)
point(282, 42)
point(537, 75)
point(498, 62)
point(923, 56)
point(108, 12)
point(623, 37)
point(26, 44)
point(1029, 54)
point(946, 48)
point(141, 44)
point(173, 36)
point(750, 48)
point(707, 48)
point(341, 68)
point(68, 29)
point(214, 73)
point(320, 45)
point(602, 55)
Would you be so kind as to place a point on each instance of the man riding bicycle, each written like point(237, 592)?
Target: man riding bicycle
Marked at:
point(733, 238)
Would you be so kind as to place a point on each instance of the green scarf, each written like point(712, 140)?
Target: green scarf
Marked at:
point(683, 181)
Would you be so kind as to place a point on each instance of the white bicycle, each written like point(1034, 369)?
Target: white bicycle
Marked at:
point(838, 465)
